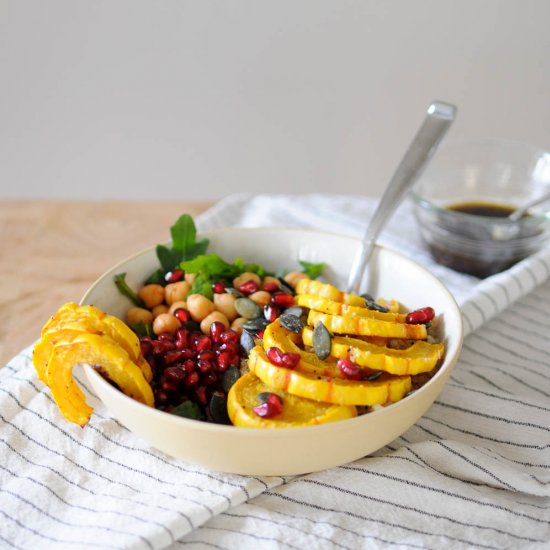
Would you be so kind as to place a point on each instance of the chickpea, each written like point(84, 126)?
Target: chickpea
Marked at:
point(226, 304)
point(215, 316)
point(189, 278)
point(158, 310)
point(237, 324)
point(177, 305)
point(165, 323)
point(176, 292)
point(271, 284)
point(294, 277)
point(139, 315)
point(152, 295)
point(261, 297)
point(199, 306)
point(244, 277)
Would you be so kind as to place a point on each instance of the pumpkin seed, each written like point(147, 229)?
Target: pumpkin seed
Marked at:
point(322, 342)
point(374, 376)
point(263, 397)
point(285, 287)
point(192, 326)
point(230, 376)
point(291, 322)
point(218, 408)
point(376, 307)
point(254, 325)
point(368, 297)
point(247, 341)
point(234, 291)
point(247, 308)
point(294, 310)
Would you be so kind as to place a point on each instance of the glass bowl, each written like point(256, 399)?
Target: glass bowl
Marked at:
point(462, 201)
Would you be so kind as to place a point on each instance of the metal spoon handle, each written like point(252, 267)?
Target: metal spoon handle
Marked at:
point(438, 119)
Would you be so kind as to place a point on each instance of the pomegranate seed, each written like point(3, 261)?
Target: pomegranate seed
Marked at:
point(188, 366)
point(288, 360)
point(249, 287)
point(229, 336)
point(271, 312)
point(191, 380)
point(260, 334)
point(283, 299)
point(207, 355)
point(182, 315)
point(177, 356)
point(166, 337)
point(146, 346)
point(169, 387)
point(174, 276)
point(182, 338)
point(349, 369)
point(420, 316)
point(200, 395)
point(216, 330)
point(203, 343)
point(160, 397)
point(231, 347)
point(226, 359)
point(160, 347)
point(205, 365)
point(176, 375)
point(218, 287)
point(271, 286)
point(271, 406)
point(210, 379)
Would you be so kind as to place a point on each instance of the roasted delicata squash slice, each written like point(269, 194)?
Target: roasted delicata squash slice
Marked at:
point(113, 362)
point(93, 320)
point(343, 324)
point(324, 305)
point(419, 357)
point(324, 290)
point(275, 335)
point(385, 389)
point(85, 334)
point(295, 412)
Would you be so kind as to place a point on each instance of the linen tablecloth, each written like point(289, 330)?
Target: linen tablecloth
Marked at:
point(472, 472)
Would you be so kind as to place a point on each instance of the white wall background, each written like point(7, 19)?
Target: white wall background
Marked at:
point(199, 99)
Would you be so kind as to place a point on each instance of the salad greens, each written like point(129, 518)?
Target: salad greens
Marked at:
point(189, 254)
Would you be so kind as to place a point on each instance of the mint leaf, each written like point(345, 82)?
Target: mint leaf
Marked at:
point(188, 409)
point(125, 290)
point(312, 270)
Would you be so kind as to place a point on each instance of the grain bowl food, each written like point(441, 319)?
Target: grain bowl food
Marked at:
point(304, 447)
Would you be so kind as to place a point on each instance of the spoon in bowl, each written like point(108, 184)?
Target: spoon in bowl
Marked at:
point(439, 117)
point(517, 214)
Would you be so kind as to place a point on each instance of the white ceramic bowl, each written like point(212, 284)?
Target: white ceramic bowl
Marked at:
point(285, 451)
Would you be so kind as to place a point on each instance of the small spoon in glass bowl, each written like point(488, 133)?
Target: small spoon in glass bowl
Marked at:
point(439, 117)
point(517, 214)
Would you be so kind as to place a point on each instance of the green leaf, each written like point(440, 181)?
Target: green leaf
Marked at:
point(183, 233)
point(125, 290)
point(167, 258)
point(312, 270)
point(188, 409)
point(156, 278)
point(143, 329)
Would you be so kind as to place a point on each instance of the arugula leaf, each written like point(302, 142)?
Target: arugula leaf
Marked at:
point(125, 290)
point(188, 409)
point(312, 270)
point(184, 244)
point(143, 329)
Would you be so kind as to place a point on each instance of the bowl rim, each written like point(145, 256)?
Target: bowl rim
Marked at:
point(279, 432)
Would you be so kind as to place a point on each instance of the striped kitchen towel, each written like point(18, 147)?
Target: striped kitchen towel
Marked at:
point(473, 472)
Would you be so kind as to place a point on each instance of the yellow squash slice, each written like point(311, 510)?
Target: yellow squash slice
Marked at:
point(324, 305)
point(342, 324)
point(94, 320)
point(386, 389)
point(113, 362)
point(297, 411)
point(324, 290)
point(420, 357)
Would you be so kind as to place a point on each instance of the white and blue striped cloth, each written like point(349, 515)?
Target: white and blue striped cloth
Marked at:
point(474, 472)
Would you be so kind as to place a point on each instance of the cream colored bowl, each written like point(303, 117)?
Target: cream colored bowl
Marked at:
point(285, 451)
